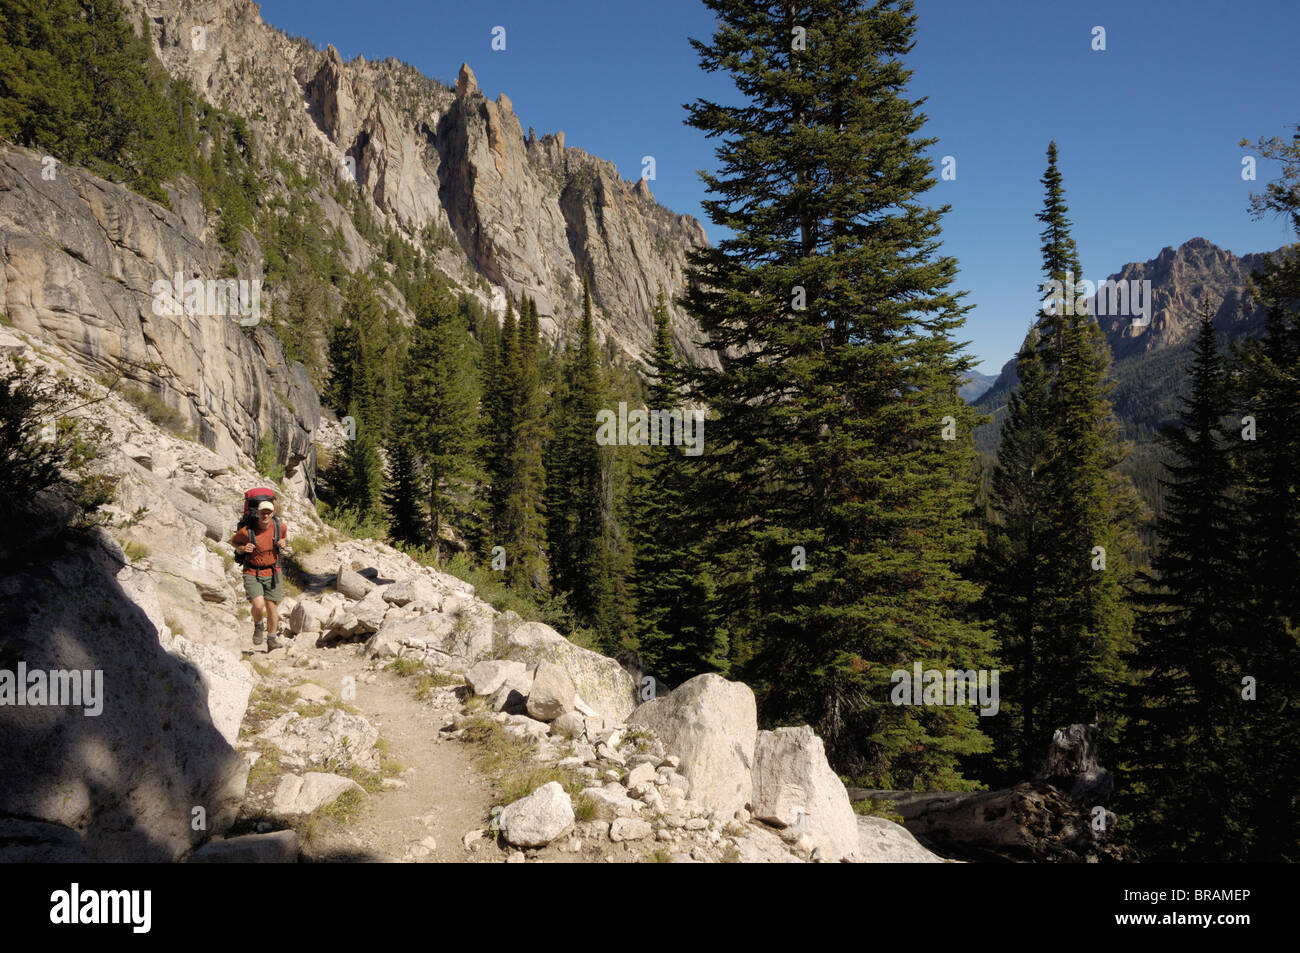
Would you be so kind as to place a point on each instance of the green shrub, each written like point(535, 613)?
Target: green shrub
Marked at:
point(584, 808)
point(405, 667)
point(136, 550)
point(268, 457)
point(156, 409)
point(350, 523)
point(44, 450)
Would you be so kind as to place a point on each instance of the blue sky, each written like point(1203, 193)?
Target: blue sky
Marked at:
point(1147, 129)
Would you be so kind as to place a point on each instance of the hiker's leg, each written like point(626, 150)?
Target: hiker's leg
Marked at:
point(259, 608)
point(274, 596)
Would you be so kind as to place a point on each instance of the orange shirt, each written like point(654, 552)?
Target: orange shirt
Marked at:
point(263, 557)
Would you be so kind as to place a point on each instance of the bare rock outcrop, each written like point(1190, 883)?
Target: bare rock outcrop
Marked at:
point(80, 263)
point(601, 682)
point(795, 787)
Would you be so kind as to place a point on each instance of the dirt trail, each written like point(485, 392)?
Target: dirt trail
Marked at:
point(440, 794)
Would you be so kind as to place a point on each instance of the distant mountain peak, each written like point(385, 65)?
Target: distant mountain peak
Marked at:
point(1181, 278)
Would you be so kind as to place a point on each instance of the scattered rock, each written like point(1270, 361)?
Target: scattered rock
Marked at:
point(418, 591)
point(602, 682)
point(712, 725)
point(303, 795)
point(571, 724)
point(551, 693)
point(352, 584)
point(318, 740)
point(610, 805)
point(280, 847)
point(539, 818)
point(308, 617)
point(794, 786)
point(486, 677)
point(512, 694)
point(641, 774)
point(629, 828)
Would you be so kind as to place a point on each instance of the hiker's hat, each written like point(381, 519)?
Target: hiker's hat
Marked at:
point(266, 505)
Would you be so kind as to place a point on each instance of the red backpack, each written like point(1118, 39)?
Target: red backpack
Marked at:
point(252, 500)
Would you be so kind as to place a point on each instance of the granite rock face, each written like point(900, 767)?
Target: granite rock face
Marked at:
point(81, 262)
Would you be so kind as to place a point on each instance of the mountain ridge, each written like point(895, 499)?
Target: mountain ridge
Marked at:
point(529, 215)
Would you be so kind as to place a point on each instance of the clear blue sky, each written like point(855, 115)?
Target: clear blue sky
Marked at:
point(1147, 129)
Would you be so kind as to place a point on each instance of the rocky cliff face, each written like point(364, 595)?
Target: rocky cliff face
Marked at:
point(82, 259)
point(528, 214)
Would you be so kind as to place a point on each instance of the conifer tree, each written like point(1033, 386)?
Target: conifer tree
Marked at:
point(403, 494)
point(357, 376)
point(500, 401)
point(833, 320)
point(1266, 386)
point(359, 485)
point(1015, 562)
point(1056, 564)
point(1183, 733)
point(441, 403)
point(522, 526)
point(76, 81)
point(578, 510)
point(677, 633)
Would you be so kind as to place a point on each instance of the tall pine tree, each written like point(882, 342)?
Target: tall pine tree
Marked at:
point(1056, 564)
point(1183, 736)
point(577, 508)
point(403, 496)
point(521, 529)
point(1267, 390)
point(840, 504)
point(678, 634)
point(441, 403)
point(1015, 561)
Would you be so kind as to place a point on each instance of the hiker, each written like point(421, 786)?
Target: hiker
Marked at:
point(262, 579)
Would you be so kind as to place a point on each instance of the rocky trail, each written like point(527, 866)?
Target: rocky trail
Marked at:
point(437, 795)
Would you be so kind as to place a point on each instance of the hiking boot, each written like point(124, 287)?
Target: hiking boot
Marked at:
point(274, 641)
point(259, 629)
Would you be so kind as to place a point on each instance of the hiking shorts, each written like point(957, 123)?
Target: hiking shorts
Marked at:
point(255, 586)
